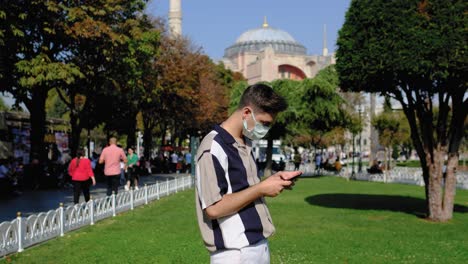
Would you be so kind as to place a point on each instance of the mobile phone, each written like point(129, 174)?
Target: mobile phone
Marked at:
point(294, 178)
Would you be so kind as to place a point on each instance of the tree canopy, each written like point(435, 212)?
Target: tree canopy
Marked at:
point(415, 52)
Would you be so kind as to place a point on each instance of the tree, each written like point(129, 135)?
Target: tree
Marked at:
point(320, 107)
point(393, 131)
point(109, 45)
point(34, 52)
point(415, 52)
point(314, 108)
point(171, 91)
point(134, 74)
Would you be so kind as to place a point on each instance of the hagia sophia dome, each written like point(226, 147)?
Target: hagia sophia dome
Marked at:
point(257, 39)
point(267, 53)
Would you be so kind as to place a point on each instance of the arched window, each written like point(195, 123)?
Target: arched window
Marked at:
point(286, 71)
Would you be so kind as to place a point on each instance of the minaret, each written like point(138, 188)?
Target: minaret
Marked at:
point(325, 49)
point(175, 18)
point(374, 134)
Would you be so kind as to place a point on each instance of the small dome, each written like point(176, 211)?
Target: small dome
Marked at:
point(256, 40)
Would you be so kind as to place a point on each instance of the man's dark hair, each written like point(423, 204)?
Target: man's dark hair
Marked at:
point(262, 97)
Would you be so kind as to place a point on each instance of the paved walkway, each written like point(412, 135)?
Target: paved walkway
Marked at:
point(31, 202)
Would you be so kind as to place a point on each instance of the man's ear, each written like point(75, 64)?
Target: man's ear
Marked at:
point(246, 112)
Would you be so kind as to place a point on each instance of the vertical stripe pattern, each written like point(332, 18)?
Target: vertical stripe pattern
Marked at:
point(224, 166)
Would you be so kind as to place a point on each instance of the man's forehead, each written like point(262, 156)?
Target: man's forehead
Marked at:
point(265, 117)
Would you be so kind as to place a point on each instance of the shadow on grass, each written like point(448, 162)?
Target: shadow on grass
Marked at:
point(405, 204)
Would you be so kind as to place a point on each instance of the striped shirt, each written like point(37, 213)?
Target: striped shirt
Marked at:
point(225, 166)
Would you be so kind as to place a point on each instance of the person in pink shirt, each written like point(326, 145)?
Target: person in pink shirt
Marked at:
point(111, 157)
point(81, 172)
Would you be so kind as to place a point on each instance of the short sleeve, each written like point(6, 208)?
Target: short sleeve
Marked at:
point(211, 179)
point(71, 167)
point(103, 154)
point(89, 168)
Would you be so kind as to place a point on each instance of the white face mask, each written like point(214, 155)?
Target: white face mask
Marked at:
point(258, 132)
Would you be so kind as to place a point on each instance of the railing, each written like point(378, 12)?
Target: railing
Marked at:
point(402, 175)
point(21, 233)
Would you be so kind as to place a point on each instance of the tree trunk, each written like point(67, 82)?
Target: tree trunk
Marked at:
point(75, 133)
point(450, 186)
point(442, 186)
point(163, 134)
point(131, 134)
point(435, 186)
point(269, 155)
point(38, 123)
point(147, 142)
point(386, 159)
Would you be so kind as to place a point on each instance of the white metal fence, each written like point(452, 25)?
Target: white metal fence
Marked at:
point(21, 233)
point(402, 175)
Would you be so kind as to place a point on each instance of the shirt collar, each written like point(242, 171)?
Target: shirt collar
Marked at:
point(228, 138)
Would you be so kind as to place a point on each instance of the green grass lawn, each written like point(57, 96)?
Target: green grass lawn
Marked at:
point(323, 220)
point(417, 163)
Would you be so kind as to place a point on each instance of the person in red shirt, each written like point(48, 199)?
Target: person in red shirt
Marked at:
point(80, 170)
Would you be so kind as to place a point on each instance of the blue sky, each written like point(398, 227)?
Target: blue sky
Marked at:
point(216, 24)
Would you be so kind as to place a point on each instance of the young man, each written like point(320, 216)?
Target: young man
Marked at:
point(111, 157)
point(232, 215)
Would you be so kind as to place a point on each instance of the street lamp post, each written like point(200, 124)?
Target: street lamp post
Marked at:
point(353, 173)
point(139, 137)
point(360, 140)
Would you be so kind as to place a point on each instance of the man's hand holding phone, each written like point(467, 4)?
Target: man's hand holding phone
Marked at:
point(289, 175)
point(273, 185)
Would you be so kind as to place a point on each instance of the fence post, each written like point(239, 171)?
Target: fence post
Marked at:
point(167, 187)
point(146, 194)
point(183, 183)
point(176, 185)
point(131, 199)
point(113, 203)
point(91, 210)
point(157, 190)
point(62, 219)
point(20, 231)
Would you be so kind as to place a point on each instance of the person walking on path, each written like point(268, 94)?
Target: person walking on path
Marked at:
point(318, 162)
point(81, 172)
point(111, 157)
point(132, 177)
point(231, 211)
point(297, 160)
point(188, 162)
point(174, 161)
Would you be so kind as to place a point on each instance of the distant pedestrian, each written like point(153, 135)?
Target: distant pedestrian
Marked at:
point(188, 161)
point(132, 175)
point(123, 179)
point(34, 172)
point(111, 157)
point(5, 184)
point(297, 160)
point(174, 160)
point(318, 162)
point(338, 165)
point(81, 172)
